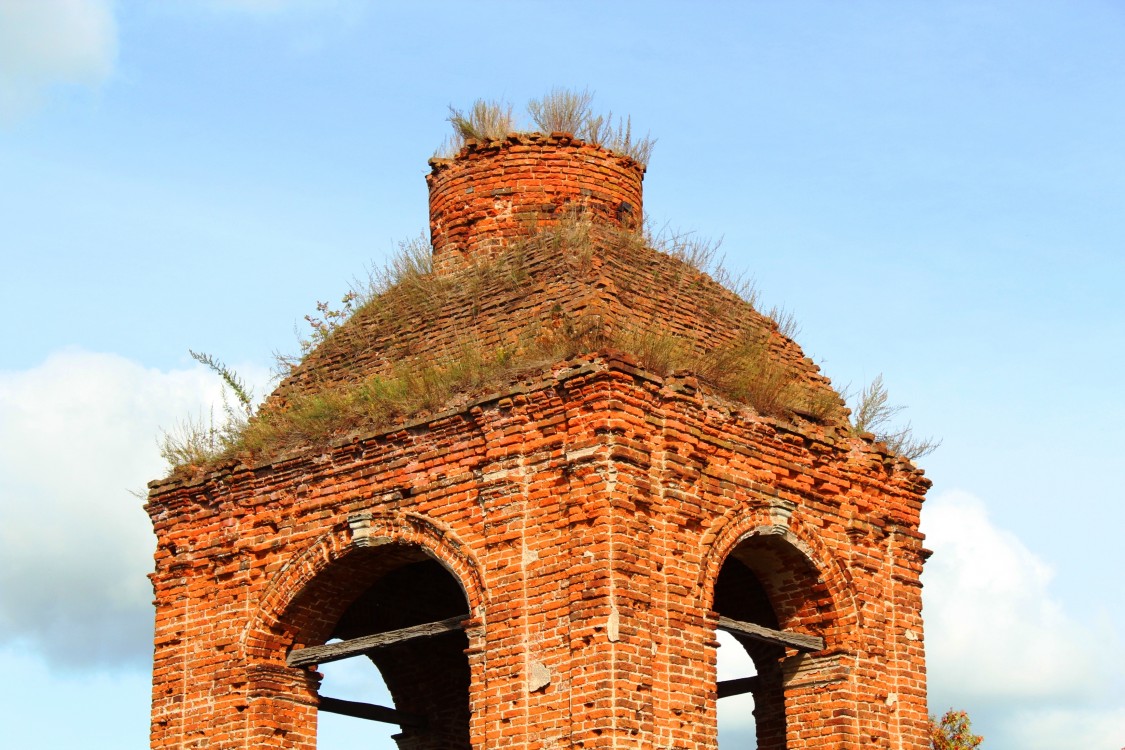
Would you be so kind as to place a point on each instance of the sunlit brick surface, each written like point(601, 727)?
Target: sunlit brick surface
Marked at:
point(581, 519)
point(498, 191)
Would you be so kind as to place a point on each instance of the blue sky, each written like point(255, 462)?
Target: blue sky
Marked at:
point(936, 190)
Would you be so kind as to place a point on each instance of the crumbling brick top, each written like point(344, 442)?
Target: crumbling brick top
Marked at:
point(577, 276)
point(495, 192)
point(819, 438)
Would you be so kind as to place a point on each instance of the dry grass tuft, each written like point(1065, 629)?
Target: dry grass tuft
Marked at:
point(600, 131)
point(744, 371)
point(561, 110)
point(195, 441)
point(411, 388)
point(485, 121)
point(786, 321)
point(873, 413)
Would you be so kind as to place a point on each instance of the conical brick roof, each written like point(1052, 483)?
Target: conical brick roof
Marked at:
point(550, 264)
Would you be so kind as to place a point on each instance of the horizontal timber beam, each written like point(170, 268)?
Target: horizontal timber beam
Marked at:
point(727, 688)
point(799, 641)
point(304, 657)
point(371, 712)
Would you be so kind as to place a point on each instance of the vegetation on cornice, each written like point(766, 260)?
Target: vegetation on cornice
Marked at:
point(873, 413)
point(560, 110)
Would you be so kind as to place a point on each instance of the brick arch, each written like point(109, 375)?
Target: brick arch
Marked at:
point(785, 701)
point(755, 518)
point(309, 595)
point(362, 535)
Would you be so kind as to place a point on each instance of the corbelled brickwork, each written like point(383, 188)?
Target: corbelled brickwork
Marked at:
point(591, 521)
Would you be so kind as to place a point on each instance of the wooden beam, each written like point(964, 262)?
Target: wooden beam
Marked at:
point(799, 641)
point(727, 688)
point(371, 712)
point(304, 657)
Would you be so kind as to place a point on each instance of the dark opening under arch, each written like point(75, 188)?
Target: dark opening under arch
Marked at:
point(398, 608)
point(768, 584)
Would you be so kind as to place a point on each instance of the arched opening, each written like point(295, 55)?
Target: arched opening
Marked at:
point(771, 604)
point(394, 609)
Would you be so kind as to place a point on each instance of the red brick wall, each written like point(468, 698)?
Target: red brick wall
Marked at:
point(496, 191)
point(586, 520)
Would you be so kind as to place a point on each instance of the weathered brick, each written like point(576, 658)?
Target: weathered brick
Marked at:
point(592, 522)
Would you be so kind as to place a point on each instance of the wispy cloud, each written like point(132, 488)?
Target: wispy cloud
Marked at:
point(267, 7)
point(77, 434)
point(50, 42)
point(255, 6)
point(1000, 643)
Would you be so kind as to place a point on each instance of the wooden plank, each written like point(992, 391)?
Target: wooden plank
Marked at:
point(371, 712)
point(727, 688)
point(304, 657)
point(799, 641)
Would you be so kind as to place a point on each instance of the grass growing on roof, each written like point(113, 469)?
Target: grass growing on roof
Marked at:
point(560, 110)
point(306, 412)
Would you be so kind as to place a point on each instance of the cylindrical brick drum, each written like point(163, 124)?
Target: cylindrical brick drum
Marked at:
point(493, 192)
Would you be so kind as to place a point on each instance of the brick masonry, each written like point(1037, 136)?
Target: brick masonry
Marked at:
point(592, 521)
point(494, 192)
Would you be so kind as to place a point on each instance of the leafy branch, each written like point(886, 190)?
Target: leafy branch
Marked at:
point(953, 732)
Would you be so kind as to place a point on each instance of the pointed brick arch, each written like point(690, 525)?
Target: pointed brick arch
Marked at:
point(364, 530)
point(760, 516)
point(768, 540)
point(309, 596)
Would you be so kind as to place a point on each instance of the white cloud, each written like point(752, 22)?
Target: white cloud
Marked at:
point(1066, 728)
point(77, 433)
point(1000, 645)
point(989, 611)
point(48, 42)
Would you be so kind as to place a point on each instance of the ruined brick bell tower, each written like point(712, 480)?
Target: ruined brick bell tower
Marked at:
point(626, 457)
